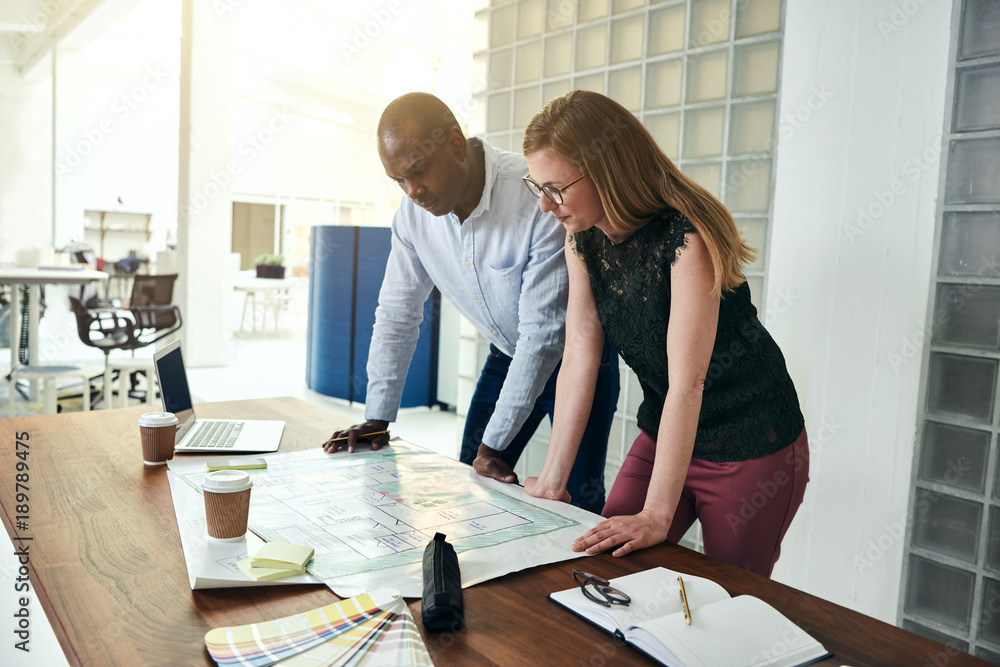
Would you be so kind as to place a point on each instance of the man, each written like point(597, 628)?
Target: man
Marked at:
point(472, 228)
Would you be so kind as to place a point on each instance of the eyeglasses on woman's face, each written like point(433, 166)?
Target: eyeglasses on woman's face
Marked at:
point(554, 194)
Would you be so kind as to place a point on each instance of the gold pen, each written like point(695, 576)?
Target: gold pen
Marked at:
point(684, 600)
point(360, 435)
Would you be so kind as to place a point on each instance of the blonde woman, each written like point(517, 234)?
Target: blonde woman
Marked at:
point(655, 263)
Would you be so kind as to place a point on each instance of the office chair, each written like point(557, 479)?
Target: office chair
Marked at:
point(150, 316)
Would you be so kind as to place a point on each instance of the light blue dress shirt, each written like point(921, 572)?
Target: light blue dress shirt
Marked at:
point(503, 268)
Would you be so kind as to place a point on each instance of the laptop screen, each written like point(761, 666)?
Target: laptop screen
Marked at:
point(173, 382)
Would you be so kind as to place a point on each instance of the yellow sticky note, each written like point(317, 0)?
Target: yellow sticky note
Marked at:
point(265, 573)
point(245, 463)
point(282, 555)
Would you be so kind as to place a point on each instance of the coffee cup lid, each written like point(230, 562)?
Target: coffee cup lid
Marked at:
point(226, 481)
point(158, 419)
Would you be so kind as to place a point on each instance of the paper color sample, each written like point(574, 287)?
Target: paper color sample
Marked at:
point(262, 644)
point(372, 630)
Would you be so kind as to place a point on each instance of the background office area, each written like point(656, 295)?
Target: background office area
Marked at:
point(858, 143)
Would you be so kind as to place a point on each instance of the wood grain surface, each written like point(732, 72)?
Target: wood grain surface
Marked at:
point(107, 567)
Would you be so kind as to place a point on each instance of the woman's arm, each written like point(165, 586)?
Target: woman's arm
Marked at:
point(694, 317)
point(575, 385)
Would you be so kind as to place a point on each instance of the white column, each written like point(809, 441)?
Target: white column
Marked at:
point(862, 103)
point(26, 162)
point(67, 136)
point(205, 208)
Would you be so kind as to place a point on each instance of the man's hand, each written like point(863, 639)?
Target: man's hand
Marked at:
point(534, 488)
point(627, 532)
point(489, 464)
point(373, 431)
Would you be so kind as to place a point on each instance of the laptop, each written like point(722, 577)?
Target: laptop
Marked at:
point(222, 436)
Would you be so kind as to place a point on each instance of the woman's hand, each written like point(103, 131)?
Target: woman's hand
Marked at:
point(535, 488)
point(629, 533)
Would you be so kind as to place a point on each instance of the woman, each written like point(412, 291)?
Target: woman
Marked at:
point(655, 263)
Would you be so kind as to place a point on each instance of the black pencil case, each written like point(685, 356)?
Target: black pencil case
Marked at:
point(443, 610)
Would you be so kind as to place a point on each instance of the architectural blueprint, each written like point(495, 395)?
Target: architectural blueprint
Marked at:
point(369, 515)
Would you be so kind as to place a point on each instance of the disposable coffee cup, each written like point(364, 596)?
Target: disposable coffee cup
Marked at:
point(157, 431)
point(227, 503)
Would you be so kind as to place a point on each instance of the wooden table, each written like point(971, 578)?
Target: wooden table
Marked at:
point(107, 567)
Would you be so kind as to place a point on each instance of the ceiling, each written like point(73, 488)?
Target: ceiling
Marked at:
point(345, 57)
point(30, 28)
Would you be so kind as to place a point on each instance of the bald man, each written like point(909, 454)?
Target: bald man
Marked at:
point(470, 227)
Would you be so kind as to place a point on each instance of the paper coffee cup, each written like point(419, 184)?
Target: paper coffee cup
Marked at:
point(227, 503)
point(157, 431)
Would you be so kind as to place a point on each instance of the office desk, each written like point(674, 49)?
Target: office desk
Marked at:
point(34, 278)
point(107, 565)
point(269, 289)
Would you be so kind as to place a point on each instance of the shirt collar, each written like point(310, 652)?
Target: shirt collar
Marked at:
point(492, 169)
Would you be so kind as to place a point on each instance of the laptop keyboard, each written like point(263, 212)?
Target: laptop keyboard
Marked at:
point(216, 435)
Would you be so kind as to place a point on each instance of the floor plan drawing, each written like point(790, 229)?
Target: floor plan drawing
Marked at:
point(370, 511)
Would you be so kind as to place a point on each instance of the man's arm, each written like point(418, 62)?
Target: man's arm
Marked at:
point(400, 311)
point(541, 317)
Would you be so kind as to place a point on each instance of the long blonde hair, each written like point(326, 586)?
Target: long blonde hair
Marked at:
point(634, 178)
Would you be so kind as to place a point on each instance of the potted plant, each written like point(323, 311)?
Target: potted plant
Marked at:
point(270, 266)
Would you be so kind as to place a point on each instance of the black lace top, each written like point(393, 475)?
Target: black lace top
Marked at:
point(749, 407)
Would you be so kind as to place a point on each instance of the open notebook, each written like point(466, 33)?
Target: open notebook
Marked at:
point(724, 631)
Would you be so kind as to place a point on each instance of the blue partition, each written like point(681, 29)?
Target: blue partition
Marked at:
point(343, 296)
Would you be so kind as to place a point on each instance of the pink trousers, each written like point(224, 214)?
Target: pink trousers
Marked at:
point(744, 507)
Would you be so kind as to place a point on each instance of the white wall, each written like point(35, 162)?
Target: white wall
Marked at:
point(862, 108)
point(307, 157)
point(67, 130)
point(25, 163)
point(131, 119)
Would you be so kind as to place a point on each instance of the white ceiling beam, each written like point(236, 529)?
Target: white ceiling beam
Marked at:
point(73, 24)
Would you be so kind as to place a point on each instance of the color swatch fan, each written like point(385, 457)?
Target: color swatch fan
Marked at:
point(346, 632)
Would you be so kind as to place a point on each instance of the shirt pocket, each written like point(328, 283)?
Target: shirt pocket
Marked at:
point(508, 276)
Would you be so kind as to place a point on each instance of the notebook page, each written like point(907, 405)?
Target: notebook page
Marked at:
point(737, 632)
point(654, 593)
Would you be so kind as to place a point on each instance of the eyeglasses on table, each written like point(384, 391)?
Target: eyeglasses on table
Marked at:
point(599, 590)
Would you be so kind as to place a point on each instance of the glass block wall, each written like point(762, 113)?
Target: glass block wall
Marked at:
point(951, 572)
point(702, 75)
